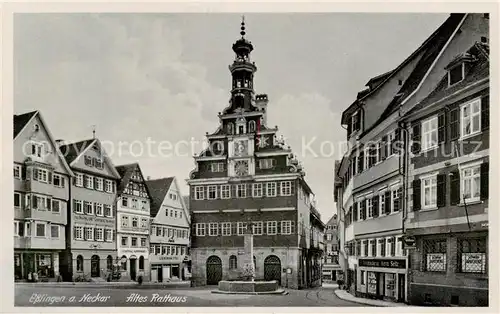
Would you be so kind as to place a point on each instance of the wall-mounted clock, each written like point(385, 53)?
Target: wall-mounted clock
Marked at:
point(241, 167)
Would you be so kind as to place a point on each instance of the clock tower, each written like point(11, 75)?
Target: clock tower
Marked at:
point(247, 178)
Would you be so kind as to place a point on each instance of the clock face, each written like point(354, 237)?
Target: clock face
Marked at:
point(241, 168)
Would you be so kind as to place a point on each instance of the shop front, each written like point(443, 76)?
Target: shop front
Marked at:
point(134, 263)
point(165, 268)
point(36, 265)
point(383, 279)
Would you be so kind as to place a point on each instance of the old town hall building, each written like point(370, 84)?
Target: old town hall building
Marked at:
point(247, 177)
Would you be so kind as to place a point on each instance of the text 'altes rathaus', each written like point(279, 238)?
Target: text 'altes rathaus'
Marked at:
point(247, 176)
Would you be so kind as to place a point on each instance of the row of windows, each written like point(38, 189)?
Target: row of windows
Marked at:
point(109, 263)
point(158, 249)
point(465, 121)
point(471, 255)
point(379, 247)
point(469, 184)
point(39, 202)
point(379, 205)
point(93, 162)
point(95, 183)
point(92, 208)
point(133, 221)
point(42, 229)
point(269, 189)
point(40, 175)
point(134, 203)
point(174, 213)
point(134, 242)
point(169, 232)
point(93, 233)
point(268, 163)
point(240, 228)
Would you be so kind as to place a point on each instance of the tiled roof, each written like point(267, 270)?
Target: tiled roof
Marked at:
point(72, 150)
point(430, 48)
point(157, 190)
point(433, 47)
point(478, 71)
point(21, 120)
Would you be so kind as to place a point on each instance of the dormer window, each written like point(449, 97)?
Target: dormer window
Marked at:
point(241, 125)
point(355, 124)
point(456, 74)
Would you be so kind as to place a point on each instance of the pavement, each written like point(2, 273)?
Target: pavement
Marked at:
point(86, 295)
point(346, 296)
point(108, 285)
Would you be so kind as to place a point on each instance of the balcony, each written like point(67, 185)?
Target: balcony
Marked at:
point(31, 242)
point(378, 224)
point(381, 170)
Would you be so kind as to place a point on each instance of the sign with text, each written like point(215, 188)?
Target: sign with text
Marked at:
point(132, 251)
point(383, 263)
point(103, 221)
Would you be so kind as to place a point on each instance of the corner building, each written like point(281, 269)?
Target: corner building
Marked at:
point(247, 176)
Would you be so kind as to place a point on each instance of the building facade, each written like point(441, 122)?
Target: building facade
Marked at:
point(91, 230)
point(331, 265)
point(374, 174)
point(133, 223)
point(170, 232)
point(448, 174)
point(247, 176)
point(41, 195)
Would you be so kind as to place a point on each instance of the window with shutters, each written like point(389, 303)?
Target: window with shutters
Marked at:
point(58, 180)
point(99, 234)
point(41, 175)
point(396, 199)
point(362, 210)
point(390, 145)
point(381, 204)
point(470, 183)
point(429, 133)
point(365, 248)
point(358, 248)
point(89, 182)
point(108, 235)
point(99, 184)
point(429, 192)
point(89, 233)
point(470, 117)
point(392, 246)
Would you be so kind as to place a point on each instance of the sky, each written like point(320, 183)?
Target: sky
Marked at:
point(151, 85)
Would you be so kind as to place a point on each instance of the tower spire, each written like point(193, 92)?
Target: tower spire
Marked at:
point(242, 33)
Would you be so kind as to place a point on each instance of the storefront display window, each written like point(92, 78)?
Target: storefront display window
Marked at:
point(390, 285)
point(18, 270)
point(44, 265)
point(372, 283)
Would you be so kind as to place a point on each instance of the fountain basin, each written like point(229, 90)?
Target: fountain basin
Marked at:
point(249, 287)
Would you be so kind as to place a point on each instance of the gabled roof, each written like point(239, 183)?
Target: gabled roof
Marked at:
point(478, 71)
point(126, 172)
point(73, 151)
point(332, 220)
point(378, 78)
point(21, 120)
point(431, 49)
point(158, 188)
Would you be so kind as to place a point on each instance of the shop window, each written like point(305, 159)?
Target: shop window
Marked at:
point(44, 265)
point(435, 255)
point(79, 263)
point(390, 285)
point(472, 255)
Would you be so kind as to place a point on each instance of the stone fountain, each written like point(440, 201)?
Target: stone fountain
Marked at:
point(248, 285)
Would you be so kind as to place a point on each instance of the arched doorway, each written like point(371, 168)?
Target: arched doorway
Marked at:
point(214, 270)
point(94, 266)
point(272, 268)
